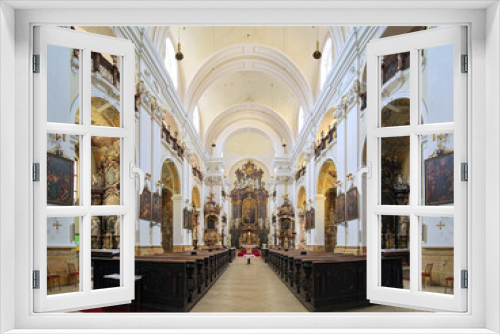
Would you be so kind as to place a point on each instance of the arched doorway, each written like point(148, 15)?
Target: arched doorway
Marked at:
point(170, 187)
point(327, 186)
point(301, 210)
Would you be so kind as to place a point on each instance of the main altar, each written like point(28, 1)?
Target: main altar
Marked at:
point(249, 225)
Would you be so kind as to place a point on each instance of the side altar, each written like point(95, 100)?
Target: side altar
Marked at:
point(249, 225)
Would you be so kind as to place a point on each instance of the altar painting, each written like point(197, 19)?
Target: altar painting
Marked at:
point(249, 212)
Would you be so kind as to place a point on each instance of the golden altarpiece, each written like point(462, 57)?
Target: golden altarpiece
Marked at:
point(212, 236)
point(286, 222)
point(249, 198)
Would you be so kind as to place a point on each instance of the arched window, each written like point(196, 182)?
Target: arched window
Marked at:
point(196, 119)
point(326, 62)
point(300, 120)
point(170, 61)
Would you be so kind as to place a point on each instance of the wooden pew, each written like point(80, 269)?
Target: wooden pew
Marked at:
point(172, 282)
point(327, 281)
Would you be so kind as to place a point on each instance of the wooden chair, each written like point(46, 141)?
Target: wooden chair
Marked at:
point(53, 278)
point(449, 282)
point(427, 273)
point(73, 272)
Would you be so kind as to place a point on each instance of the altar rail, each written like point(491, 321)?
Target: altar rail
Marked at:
point(326, 281)
point(171, 282)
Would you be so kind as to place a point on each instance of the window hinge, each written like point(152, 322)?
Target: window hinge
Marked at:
point(464, 171)
point(465, 64)
point(36, 172)
point(465, 279)
point(36, 279)
point(36, 63)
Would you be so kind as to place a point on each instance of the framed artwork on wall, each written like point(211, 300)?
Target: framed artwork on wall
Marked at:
point(157, 208)
point(352, 204)
point(145, 211)
point(60, 180)
point(340, 208)
point(439, 180)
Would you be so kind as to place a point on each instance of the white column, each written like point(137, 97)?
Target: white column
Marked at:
point(319, 231)
point(178, 219)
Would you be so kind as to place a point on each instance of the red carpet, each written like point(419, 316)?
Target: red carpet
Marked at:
point(256, 253)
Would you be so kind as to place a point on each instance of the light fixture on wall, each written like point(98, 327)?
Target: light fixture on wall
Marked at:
point(284, 143)
point(213, 143)
point(179, 55)
point(317, 54)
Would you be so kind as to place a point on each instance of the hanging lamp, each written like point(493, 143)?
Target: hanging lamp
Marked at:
point(179, 55)
point(317, 54)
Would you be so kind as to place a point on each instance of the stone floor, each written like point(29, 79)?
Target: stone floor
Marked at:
point(256, 288)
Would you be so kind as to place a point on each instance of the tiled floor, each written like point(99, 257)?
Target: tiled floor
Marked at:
point(249, 288)
point(256, 288)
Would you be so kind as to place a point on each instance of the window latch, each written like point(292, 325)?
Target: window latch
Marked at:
point(36, 279)
point(36, 172)
point(465, 64)
point(136, 170)
point(465, 279)
point(464, 173)
point(36, 63)
point(365, 170)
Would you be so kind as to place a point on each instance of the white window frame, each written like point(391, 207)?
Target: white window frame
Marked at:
point(86, 297)
point(413, 43)
point(482, 316)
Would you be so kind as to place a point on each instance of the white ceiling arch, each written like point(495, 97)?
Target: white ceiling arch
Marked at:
point(246, 125)
point(249, 57)
point(247, 112)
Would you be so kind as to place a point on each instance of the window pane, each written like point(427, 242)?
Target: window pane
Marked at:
point(395, 174)
point(395, 75)
point(437, 169)
point(395, 251)
point(107, 69)
point(437, 254)
point(63, 255)
point(105, 171)
point(63, 84)
point(105, 231)
point(63, 169)
point(437, 84)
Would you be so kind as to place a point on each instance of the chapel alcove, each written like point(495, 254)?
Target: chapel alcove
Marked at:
point(327, 186)
point(170, 187)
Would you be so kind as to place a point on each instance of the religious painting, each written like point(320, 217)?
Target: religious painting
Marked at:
point(340, 208)
point(439, 180)
point(145, 211)
point(60, 180)
point(310, 219)
point(249, 212)
point(157, 208)
point(188, 219)
point(211, 222)
point(352, 204)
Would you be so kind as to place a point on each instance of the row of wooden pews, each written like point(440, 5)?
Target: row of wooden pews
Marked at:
point(170, 282)
point(325, 281)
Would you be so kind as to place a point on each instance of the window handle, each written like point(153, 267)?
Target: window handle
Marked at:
point(136, 170)
point(365, 170)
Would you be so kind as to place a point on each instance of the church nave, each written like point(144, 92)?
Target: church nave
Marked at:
point(249, 288)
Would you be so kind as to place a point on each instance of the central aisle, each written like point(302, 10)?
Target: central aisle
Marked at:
point(249, 288)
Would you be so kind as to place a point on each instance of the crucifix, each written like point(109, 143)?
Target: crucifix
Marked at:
point(57, 225)
point(440, 225)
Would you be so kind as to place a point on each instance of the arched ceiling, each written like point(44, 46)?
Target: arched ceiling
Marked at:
point(248, 144)
point(227, 66)
point(248, 87)
point(297, 43)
